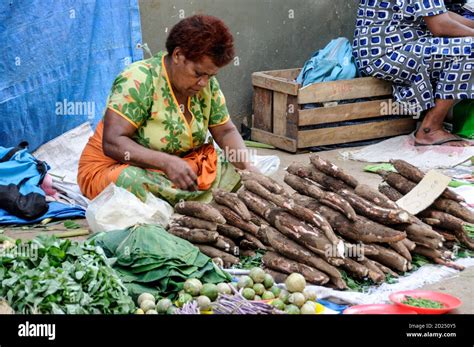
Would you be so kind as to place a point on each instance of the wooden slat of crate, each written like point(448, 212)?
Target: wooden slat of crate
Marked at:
point(263, 109)
point(292, 116)
point(289, 74)
point(281, 142)
point(280, 101)
point(341, 113)
point(278, 84)
point(352, 133)
point(344, 90)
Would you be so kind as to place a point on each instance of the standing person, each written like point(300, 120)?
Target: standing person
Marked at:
point(427, 53)
point(152, 136)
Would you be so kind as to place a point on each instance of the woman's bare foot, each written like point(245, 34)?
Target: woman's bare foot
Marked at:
point(431, 131)
point(438, 137)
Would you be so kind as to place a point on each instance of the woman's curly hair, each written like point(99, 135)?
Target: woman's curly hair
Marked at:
point(200, 36)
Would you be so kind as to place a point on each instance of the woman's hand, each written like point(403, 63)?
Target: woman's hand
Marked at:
point(231, 142)
point(180, 173)
point(252, 168)
point(448, 25)
point(118, 145)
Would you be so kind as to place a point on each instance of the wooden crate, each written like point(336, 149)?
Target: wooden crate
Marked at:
point(280, 120)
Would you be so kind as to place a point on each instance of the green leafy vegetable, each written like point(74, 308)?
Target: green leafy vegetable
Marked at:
point(469, 229)
point(356, 284)
point(420, 302)
point(418, 261)
point(374, 168)
point(254, 144)
point(49, 275)
point(70, 224)
point(250, 262)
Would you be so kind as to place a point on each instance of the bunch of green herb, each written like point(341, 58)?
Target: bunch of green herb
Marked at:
point(356, 284)
point(469, 229)
point(49, 275)
point(418, 261)
point(420, 302)
point(250, 262)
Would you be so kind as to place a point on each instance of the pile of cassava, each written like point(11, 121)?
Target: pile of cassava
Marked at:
point(205, 227)
point(331, 223)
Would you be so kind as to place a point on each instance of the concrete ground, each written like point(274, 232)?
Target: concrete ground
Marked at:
point(461, 285)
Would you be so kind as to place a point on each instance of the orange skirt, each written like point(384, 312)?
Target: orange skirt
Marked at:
point(97, 171)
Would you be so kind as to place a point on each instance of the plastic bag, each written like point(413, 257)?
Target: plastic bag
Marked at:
point(267, 164)
point(116, 208)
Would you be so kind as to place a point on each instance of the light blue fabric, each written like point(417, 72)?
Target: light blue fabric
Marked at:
point(56, 210)
point(21, 170)
point(334, 62)
point(61, 52)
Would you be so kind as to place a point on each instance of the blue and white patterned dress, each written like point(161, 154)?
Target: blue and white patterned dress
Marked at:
point(392, 42)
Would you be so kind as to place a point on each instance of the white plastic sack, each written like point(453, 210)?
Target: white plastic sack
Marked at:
point(116, 208)
point(266, 164)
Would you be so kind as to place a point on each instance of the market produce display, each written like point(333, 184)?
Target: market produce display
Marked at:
point(363, 221)
point(49, 275)
point(150, 259)
point(203, 225)
point(221, 230)
point(255, 293)
point(438, 229)
point(195, 297)
point(331, 230)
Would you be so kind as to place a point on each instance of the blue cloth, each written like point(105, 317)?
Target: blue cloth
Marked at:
point(21, 170)
point(59, 59)
point(468, 14)
point(56, 210)
point(334, 62)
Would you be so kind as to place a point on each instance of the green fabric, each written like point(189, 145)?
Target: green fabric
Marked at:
point(455, 183)
point(384, 166)
point(150, 259)
point(463, 119)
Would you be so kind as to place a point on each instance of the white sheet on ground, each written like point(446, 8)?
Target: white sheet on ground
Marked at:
point(427, 274)
point(467, 192)
point(62, 154)
point(402, 147)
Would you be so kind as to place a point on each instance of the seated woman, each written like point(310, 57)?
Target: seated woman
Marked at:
point(426, 51)
point(152, 137)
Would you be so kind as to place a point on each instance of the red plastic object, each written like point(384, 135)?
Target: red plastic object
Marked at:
point(450, 302)
point(378, 309)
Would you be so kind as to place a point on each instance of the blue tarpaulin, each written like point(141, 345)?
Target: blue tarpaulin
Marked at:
point(56, 210)
point(58, 61)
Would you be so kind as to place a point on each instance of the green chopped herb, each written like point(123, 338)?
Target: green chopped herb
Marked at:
point(250, 262)
point(420, 302)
